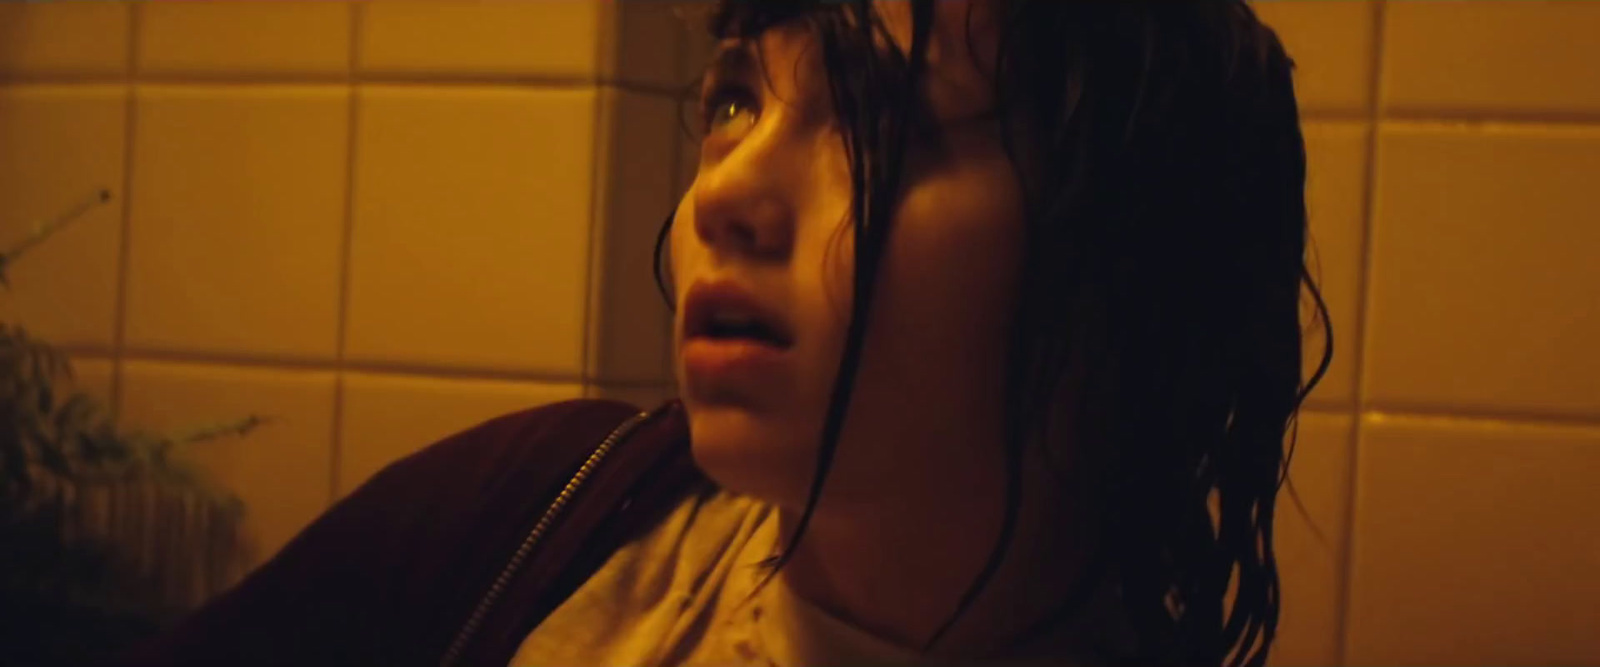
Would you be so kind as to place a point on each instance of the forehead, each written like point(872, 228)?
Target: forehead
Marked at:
point(962, 42)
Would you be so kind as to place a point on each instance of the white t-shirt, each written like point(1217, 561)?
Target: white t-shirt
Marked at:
point(689, 593)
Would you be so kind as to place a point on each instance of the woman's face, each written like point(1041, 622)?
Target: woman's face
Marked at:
point(761, 256)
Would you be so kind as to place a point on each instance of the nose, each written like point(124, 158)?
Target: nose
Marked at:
point(743, 204)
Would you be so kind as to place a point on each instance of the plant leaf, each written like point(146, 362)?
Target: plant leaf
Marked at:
point(14, 456)
point(236, 428)
point(50, 454)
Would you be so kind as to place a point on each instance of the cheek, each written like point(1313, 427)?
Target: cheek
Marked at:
point(838, 269)
point(832, 237)
point(952, 270)
point(954, 238)
point(682, 246)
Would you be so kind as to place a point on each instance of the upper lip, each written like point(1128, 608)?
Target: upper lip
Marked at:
point(708, 299)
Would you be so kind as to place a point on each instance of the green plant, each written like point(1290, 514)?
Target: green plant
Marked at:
point(106, 535)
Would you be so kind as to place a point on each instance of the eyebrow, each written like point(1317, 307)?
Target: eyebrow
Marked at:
point(734, 60)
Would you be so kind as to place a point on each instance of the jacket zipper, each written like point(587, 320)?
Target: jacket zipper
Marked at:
point(551, 513)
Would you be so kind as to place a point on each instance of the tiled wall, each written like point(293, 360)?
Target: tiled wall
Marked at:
point(1449, 461)
point(383, 222)
point(376, 224)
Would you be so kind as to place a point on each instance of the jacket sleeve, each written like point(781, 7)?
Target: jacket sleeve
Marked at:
point(372, 580)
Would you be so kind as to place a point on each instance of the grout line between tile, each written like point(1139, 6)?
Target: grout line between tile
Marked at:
point(335, 79)
point(674, 91)
point(130, 69)
point(599, 167)
point(669, 92)
point(1494, 117)
point(680, 179)
point(371, 367)
point(631, 384)
point(1363, 327)
point(352, 103)
point(119, 317)
point(89, 350)
point(1435, 125)
point(1328, 405)
point(1332, 115)
point(1481, 417)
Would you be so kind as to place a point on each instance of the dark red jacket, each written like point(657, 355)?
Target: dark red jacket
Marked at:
point(422, 560)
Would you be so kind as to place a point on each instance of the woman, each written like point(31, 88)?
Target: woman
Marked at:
point(988, 340)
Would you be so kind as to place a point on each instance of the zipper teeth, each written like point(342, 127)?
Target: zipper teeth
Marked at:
point(551, 513)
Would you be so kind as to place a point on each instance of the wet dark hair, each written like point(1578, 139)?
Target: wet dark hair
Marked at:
point(1158, 326)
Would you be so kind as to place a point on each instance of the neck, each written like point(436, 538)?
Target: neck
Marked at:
point(900, 571)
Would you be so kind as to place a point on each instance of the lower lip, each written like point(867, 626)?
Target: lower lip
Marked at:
point(732, 360)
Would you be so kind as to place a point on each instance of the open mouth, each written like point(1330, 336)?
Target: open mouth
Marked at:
point(734, 327)
point(723, 311)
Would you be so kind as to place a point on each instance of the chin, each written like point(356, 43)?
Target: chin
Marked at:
point(751, 454)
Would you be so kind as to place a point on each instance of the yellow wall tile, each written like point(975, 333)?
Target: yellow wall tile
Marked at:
point(480, 210)
point(1491, 57)
point(688, 165)
point(281, 470)
point(1310, 545)
point(697, 50)
point(386, 417)
point(1475, 544)
point(629, 321)
point(58, 146)
point(485, 38)
point(49, 38)
point(244, 38)
point(1331, 44)
point(1336, 157)
point(1483, 275)
point(238, 219)
point(470, 246)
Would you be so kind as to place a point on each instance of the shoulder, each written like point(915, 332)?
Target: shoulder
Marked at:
point(544, 441)
point(546, 430)
point(395, 565)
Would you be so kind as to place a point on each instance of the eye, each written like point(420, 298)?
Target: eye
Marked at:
point(727, 108)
